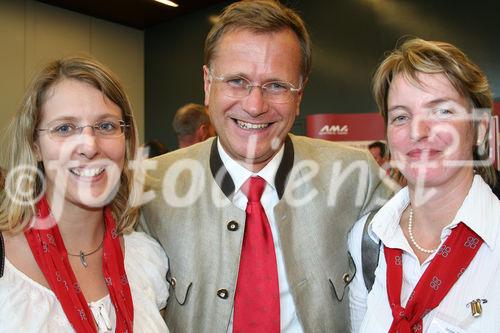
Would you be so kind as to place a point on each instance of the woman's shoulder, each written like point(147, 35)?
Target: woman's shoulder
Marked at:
point(146, 265)
point(145, 255)
point(21, 297)
point(19, 255)
point(142, 248)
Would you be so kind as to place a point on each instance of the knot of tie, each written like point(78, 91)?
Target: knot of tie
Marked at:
point(253, 188)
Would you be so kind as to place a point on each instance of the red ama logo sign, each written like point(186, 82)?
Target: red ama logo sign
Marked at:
point(334, 130)
point(345, 127)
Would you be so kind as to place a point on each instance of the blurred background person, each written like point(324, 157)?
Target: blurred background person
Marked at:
point(378, 151)
point(440, 256)
point(155, 148)
point(73, 262)
point(192, 125)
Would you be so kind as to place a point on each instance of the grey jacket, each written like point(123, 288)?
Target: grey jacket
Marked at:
point(323, 189)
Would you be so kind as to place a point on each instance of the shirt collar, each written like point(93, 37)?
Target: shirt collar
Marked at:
point(240, 174)
point(385, 224)
point(478, 211)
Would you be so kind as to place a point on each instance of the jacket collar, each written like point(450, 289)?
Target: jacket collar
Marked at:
point(225, 182)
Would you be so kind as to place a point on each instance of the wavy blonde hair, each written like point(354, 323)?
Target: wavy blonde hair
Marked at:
point(15, 214)
point(415, 56)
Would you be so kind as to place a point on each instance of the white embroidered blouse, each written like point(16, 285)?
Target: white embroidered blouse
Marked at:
point(27, 306)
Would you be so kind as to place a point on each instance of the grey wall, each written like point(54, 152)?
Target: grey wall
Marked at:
point(350, 38)
point(33, 33)
point(173, 58)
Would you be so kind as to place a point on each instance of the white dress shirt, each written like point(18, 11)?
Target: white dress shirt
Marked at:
point(288, 314)
point(480, 211)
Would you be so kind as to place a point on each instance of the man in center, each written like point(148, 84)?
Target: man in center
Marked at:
point(255, 221)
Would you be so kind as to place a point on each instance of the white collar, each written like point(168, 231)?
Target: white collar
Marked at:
point(240, 174)
point(480, 211)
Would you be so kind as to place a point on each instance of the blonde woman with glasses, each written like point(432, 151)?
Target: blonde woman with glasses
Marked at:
point(73, 262)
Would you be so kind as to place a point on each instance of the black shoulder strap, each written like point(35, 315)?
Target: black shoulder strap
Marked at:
point(369, 254)
point(2, 255)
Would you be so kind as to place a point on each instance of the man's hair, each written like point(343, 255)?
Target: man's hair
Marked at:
point(260, 16)
point(189, 118)
point(155, 148)
point(14, 216)
point(380, 145)
point(416, 56)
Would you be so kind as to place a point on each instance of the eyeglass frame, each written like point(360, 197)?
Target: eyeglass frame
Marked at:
point(79, 130)
point(289, 86)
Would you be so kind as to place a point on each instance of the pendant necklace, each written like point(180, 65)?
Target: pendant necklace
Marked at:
point(410, 232)
point(83, 255)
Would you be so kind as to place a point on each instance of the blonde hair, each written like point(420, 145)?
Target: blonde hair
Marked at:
point(15, 215)
point(415, 56)
point(260, 16)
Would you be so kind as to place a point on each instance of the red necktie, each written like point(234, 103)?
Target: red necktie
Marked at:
point(257, 299)
point(451, 260)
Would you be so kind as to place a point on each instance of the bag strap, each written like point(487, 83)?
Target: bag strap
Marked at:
point(370, 252)
point(2, 255)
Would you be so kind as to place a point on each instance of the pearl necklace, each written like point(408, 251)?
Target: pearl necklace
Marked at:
point(410, 232)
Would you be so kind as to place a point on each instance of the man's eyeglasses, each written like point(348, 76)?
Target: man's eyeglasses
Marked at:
point(102, 129)
point(240, 87)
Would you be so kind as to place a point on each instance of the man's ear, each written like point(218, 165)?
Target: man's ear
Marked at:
point(206, 83)
point(202, 132)
point(299, 96)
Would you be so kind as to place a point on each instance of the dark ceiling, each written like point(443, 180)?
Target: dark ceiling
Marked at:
point(139, 14)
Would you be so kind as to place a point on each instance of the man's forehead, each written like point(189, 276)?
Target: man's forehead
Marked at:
point(249, 37)
point(248, 51)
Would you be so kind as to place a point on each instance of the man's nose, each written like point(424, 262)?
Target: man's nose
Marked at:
point(255, 103)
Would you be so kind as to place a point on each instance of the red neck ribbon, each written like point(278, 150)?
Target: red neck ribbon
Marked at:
point(449, 263)
point(51, 256)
